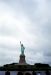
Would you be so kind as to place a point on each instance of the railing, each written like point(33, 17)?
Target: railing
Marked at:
point(25, 72)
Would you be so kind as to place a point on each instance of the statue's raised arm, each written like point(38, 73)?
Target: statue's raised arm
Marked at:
point(22, 48)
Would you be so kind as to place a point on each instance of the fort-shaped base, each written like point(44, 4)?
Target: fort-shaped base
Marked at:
point(22, 59)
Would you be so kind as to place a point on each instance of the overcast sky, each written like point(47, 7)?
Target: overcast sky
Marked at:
point(28, 21)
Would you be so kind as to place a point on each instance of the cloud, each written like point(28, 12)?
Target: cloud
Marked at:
point(30, 22)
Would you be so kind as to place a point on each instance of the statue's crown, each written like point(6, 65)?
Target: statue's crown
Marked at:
point(21, 44)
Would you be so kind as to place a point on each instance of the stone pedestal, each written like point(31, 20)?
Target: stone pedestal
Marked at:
point(22, 59)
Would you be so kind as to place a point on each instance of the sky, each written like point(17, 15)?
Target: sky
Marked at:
point(28, 21)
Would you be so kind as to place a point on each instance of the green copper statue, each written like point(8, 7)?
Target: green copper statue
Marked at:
point(22, 48)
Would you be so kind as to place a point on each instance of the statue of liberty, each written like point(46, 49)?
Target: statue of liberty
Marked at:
point(22, 48)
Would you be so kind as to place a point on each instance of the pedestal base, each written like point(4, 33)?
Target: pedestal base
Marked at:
point(22, 59)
